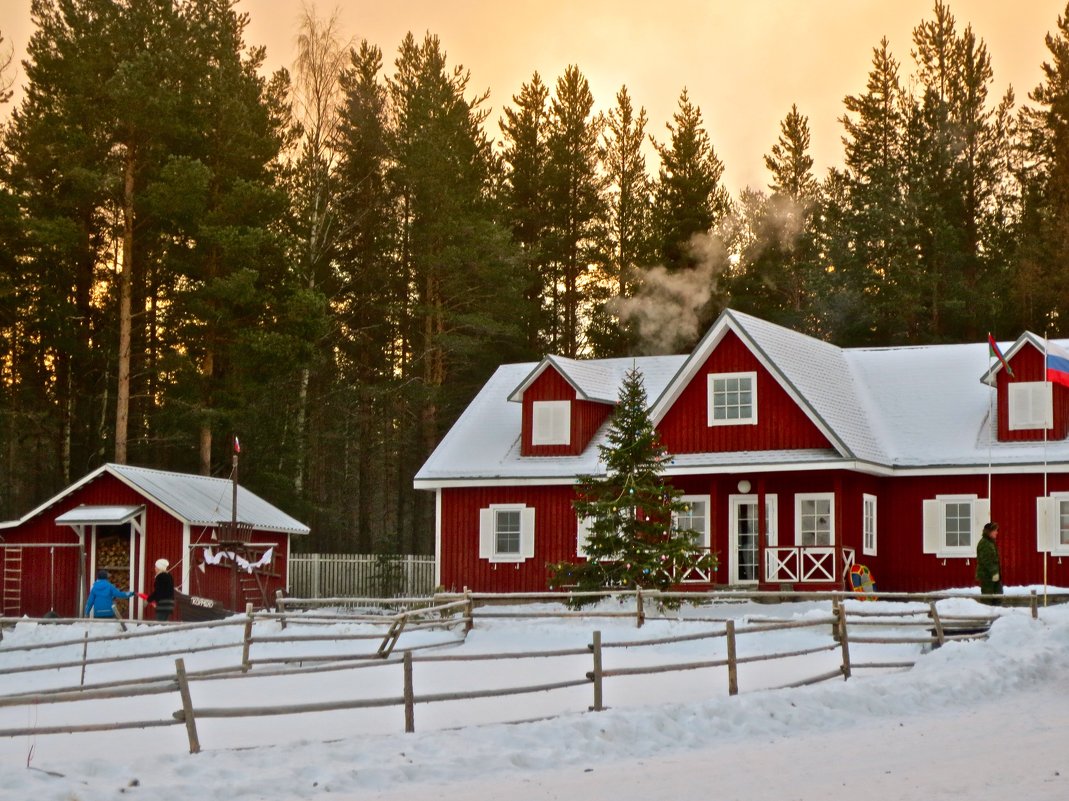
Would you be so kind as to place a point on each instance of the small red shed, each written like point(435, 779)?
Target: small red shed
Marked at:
point(122, 519)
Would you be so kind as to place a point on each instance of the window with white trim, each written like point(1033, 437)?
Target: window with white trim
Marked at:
point(868, 524)
point(506, 532)
point(814, 519)
point(952, 524)
point(582, 535)
point(772, 520)
point(694, 517)
point(551, 422)
point(1052, 524)
point(1031, 405)
point(732, 399)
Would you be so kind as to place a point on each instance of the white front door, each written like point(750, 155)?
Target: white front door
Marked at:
point(743, 548)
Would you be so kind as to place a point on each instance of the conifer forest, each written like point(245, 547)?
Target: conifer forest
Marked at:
point(328, 261)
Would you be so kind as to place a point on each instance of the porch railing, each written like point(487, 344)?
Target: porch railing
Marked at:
point(806, 564)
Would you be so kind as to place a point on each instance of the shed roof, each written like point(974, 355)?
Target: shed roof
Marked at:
point(196, 500)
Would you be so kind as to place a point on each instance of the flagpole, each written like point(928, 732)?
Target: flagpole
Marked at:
point(1049, 393)
point(992, 421)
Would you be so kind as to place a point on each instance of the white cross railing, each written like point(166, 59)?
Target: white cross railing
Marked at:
point(802, 564)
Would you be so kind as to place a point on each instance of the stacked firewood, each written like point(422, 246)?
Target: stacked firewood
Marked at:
point(113, 554)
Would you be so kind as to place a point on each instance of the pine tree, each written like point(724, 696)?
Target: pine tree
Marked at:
point(575, 201)
point(688, 197)
point(525, 129)
point(1045, 230)
point(624, 235)
point(879, 263)
point(633, 541)
point(778, 276)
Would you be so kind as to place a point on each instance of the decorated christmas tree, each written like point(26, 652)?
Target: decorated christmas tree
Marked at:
point(629, 514)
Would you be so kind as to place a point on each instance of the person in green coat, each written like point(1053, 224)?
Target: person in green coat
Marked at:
point(988, 568)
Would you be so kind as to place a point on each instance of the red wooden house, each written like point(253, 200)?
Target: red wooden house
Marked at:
point(123, 519)
point(798, 458)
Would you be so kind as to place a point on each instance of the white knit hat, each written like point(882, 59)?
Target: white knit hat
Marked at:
point(162, 564)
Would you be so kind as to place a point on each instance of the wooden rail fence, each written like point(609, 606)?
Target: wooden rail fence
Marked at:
point(450, 611)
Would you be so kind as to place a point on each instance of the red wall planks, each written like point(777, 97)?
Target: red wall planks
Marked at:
point(587, 416)
point(780, 423)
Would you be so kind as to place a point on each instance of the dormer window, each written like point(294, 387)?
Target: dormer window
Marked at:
point(551, 422)
point(1031, 405)
point(732, 399)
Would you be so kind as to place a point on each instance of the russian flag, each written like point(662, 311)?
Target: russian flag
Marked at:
point(1057, 364)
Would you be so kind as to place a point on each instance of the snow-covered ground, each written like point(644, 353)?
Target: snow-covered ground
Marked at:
point(980, 719)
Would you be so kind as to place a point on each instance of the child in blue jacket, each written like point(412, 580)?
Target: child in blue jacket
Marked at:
point(102, 595)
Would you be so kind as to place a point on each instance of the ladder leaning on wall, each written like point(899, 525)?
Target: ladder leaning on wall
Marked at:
point(12, 606)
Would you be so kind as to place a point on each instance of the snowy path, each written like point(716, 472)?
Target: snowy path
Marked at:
point(1007, 748)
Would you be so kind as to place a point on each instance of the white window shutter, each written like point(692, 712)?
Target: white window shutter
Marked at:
point(981, 516)
point(582, 535)
point(933, 526)
point(527, 532)
point(551, 423)
point(541, 421)
point(1046, 521)
point(486, 534)
point(772, 520)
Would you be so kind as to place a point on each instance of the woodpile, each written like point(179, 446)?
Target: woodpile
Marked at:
point(113, 555)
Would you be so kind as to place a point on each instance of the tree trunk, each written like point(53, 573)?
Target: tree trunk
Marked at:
point(122, 397)
point(205, 428)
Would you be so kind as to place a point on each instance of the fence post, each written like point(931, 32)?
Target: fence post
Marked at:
point(469, 611)
point(187, 706)
point(280, 607)
point(85, 653)
point(640, 613)
point(844, 642)
point(940, 635)
point(733, 666)
point(1032, 601)
point(410, 704)
point(595, 646)
point(247, 639)
point(315, 576)
point(835, 623)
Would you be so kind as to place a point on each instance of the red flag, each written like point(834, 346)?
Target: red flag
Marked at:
point(993, 350)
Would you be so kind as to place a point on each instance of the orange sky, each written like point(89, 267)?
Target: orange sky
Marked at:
point(743, 61)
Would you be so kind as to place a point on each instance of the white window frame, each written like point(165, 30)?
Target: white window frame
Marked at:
point(551, 422)
point(711, 396)
point(1052, 524)
point(801, 498)
point(1031, 405)
point(704, 530)
point(772, 520)
point(935, 532)
point(488, 518)
point(582, 535)
point(868, 524)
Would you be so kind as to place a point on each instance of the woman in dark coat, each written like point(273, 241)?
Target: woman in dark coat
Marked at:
point(988, 567)
point(162, 591)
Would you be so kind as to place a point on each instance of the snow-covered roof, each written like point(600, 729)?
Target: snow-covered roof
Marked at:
point(196, 500)
point(882, 409)
point(592, 380)
point(99, 515)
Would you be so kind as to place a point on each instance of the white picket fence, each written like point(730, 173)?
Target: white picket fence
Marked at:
point(333, 575)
